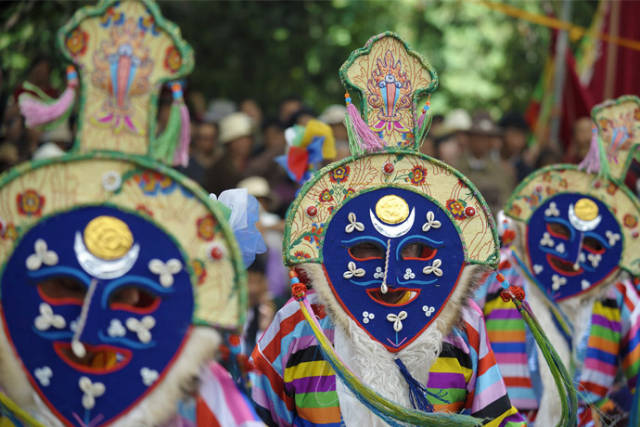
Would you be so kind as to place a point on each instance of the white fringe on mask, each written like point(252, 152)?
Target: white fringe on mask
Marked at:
point(372, 362)
point(155, 409)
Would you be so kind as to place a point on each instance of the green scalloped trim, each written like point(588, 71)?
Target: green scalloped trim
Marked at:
point(240, 276)
point(417, 94)
point(517, 193)
point(188, 60)
point(492, 260)
point(596, 110)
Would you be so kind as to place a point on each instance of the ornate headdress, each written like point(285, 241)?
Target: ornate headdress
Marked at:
point(582, 221)
point(113, 265)
point(386, 234)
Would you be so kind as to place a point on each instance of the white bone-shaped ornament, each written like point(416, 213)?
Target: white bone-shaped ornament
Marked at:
point(378, 274)
point(353, 271)
point(353, 225)
point(149, 376)
point(366, 316)
point(537, 268)
point(428, 310)
point(141, 327)
point(552, 210)
point(41, 256)
point(582, 257)
point(547, 240)
point(47, 319)
point(43, 375)
point(432, 222)
point(409, 274)
point(585, 284)
point(397, 320)
point(560, 248)
point(116, 328)
point(594, 259)
point(166, 271)
point(612, 237)
point(557, 282)
point(434, 268)
point(91, 391)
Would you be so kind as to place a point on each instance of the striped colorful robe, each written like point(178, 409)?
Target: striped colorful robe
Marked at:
point(612, 342)
point(294, 385)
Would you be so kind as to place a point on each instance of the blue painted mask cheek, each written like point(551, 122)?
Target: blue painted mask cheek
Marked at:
point(138, 304)
point(573, 243)
point(392, 257)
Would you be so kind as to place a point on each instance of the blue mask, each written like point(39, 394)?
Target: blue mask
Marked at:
point(392, 258)
point(97, 304)
point(574, 243)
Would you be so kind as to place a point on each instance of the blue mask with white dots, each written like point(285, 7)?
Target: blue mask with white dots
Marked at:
point(90, 305)
point(574, 243)
point(392, 257)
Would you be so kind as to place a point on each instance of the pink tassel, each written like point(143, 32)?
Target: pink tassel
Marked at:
point(182, 153)
point(368, 140)
point(423, 115)
point(37, 112)
point(591, 162)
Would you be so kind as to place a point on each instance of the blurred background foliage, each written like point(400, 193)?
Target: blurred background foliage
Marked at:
point(271, 50)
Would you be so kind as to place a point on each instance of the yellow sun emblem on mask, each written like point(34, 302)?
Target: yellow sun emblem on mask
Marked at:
point(108, 237)
point(392, 209)
point(586, 209)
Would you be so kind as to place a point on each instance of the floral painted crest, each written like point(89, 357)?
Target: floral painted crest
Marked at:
point(391, 80)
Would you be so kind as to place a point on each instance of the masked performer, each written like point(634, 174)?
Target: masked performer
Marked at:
point(576, 242)
point(390, 240)
point(117, 272)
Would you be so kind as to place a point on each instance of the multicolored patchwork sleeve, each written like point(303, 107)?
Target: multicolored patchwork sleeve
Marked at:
point(293, 384)
point(630, 331)
point(487, 394)
point(274, 405)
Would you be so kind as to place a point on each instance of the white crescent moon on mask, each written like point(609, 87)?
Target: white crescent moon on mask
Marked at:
point(581, 224)
point(392, 231)
point(100, 268)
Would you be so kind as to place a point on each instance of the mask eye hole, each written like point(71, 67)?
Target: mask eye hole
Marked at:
point(133, 298)
point(593, 245)
point(364, 251)
point(558, 230)
point(62, 290)
point(418, 251)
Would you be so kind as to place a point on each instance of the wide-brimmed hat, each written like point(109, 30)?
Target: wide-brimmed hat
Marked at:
point(333, 114)
point(235, 126)
point(483, 125)
point(256, 186)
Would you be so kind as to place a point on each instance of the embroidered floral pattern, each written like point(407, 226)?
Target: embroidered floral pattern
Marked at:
point(30, 203)
point(198, 270)
point(172, 59)
point(630, 221)
point(456, 207)
point(301, 255)
point(339, 174)
point(612, 188)
point(417, 175)
point(206, 227)
point(325, 196)
point(349, 192)
point(9, 232)
point(143, 209)
point(315, 234)
point(77, 42)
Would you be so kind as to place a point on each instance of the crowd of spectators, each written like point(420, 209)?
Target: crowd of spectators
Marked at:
point(235, 145)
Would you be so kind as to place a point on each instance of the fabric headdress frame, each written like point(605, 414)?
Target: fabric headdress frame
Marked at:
point(109, 215)
point(616, 135)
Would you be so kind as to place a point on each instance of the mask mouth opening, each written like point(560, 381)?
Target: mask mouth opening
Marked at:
point(397, 297)
point(101, 359)
point(563, 266)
